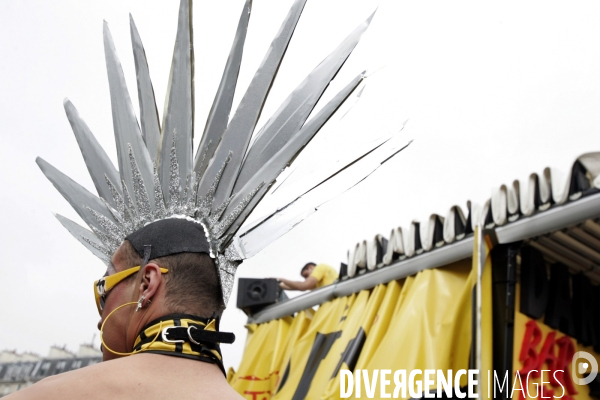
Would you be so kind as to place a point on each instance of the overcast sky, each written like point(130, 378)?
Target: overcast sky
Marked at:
point(491, 92)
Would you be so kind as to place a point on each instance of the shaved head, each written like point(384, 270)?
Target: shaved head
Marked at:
point(192, 284)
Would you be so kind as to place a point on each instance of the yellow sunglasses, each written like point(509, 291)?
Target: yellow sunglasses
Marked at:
point(105, 284)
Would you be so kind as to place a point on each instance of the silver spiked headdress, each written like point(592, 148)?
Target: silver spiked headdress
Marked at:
point(158, 177)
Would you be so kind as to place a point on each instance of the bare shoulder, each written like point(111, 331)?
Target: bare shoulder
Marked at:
point(80, 383)
point(143, 376)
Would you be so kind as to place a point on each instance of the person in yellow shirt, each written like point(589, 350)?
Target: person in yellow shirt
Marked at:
point(315, 276)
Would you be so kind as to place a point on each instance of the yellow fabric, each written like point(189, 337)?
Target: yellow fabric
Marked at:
point(258, 373)
point(324, 274)
point(349, 328)
point(299, 326)
point(432, 327)
point(230, 374)
point(361, 316)
point(422, 322)
point(325, 325)
point(404, 290)
point(250, 328)
point(380, 324)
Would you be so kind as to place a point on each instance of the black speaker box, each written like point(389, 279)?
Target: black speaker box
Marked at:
point(254, 294)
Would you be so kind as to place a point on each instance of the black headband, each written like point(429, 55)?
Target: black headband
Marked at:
point(170, 236)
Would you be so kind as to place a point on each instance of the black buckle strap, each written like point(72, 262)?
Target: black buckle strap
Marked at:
point(195, 334)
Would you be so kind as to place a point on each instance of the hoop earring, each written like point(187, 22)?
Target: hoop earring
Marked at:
point(116, 352)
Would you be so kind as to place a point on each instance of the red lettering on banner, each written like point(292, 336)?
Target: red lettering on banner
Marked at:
point(256, 378)
point(251, 378)
point(255, 394)
point(528, 355)
point(558, 365)
point(546, 355)
point(546, 393)
point(566, 351)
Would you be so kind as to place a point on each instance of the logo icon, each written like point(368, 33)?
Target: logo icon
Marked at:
point(579, 367)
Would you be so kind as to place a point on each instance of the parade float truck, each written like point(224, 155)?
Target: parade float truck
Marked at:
point(494, 301)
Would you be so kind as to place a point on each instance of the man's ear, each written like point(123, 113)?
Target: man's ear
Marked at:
point(151, 280)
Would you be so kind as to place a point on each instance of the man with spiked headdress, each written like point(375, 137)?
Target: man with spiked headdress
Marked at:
point(167, 224)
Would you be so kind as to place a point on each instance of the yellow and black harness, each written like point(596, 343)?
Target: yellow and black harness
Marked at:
point(184, 335)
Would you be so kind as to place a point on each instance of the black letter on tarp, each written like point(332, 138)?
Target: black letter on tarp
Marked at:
point(504, 279)
point(584, 313)
point(351, 353)
point(319, 351)
point(534, 283)
point(558, 312)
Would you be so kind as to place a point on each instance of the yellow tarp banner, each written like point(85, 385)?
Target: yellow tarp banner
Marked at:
point(258, 373)
point(422, 322)
point(356, 331)
point(299, 326)
point(349, 333)
point(380, 324)
point(431, 328)
point(312, 347)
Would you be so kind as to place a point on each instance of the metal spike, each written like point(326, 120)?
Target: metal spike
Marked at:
point(160, 210)
point(77, 196)
point(109, 227)
point(218, 213)
point(105, 254)
point(196, 197)
point(206, 202)
point(127, 130)
point(133, 220)
point(174, 178)
point(117, 197)
point(272, 167)
point(220, 229)
point(200, 164)
point(115, 214)
point(108, 241)
point(82, 235)
point(148, 110)
point(231, 254)
point(96, 160)
point(140, 194)
point(179, 104)
point(218, 117)
point(192, 198)
point(239, 131)
point(294, 111)
point(241, 217)
point(185, 194)
point(215, 184)
point(126, 216)
point(189, 205)
point(264, 231)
